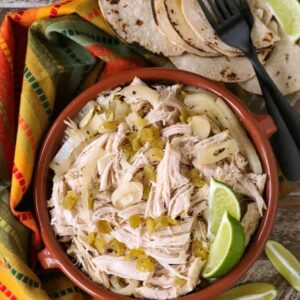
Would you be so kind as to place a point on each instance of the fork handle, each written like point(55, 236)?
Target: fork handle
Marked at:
point(272, 94)
point(286, 140)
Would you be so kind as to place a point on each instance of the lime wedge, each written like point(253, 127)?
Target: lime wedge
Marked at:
point(221, 199)
point(284, 262)
point(250, 291)
point(227, 248)
point(288, 14)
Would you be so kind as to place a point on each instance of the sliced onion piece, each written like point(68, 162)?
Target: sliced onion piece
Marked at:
point(127, 290)
point(216, 152)
point(87, 117)
point(200, 126)
point(141, 92)
point(127, 194)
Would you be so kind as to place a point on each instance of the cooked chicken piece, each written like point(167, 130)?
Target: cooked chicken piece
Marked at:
point(139, 160)
point(200, 231)
point(61, 219)
point(207, 171)
point(104, 166)
point(175, 129)
point(156, 293)
point(184, 227)
point(167, 257)
point(199, 208)
point(180, 202)
point(250, 221)
point(81, 253)
point(106, 97)
point(232, 176)
point(194, 273)
point(160, 113)
point(73, 179)
point(215, 139)
point(170, 178)
point(175, 271)
point(92, 152)
point(239, 161)
point(128, 236)
point(99, 213)
point(185, 145)
point(118, 266)
point(120, 136)
point(259, 180)
point(200, 194)
point(250, 189)
point(137, 209)
point(130, 239)
point(163, 281)
point(119, 288)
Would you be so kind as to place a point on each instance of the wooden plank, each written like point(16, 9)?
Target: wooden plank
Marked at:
point(287, 229)
point(4, 11)
point(24, 3)
point(263, 271)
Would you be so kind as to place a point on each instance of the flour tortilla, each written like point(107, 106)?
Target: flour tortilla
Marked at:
point(133, 21)
point(262, 36)
point(224, 69)
point(166, 28)
point(182, 27)
point(283, 67)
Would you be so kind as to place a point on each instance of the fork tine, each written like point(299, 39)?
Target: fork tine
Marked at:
point(245, 9)
point(233, 6)
point(222, 7)
point(208, 14)
point(216, 10)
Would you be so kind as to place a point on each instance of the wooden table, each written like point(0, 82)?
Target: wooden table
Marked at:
point(286, 229)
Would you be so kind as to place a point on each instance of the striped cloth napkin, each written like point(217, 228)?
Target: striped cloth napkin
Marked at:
point(47, 56)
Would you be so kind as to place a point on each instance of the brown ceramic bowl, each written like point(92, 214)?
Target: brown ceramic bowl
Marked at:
point(259, 129)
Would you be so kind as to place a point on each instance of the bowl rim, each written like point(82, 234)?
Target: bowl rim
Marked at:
point(256, 133)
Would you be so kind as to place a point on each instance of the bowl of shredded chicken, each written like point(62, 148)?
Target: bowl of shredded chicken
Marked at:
point(131, 185)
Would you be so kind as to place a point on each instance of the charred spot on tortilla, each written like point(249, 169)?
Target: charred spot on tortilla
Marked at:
point(228, 74)
point(139, 22)
point(287, 56)
point(267, 55)
point(114, 1)
point(268, 37)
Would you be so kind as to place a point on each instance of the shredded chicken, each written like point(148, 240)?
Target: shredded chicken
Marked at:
point(250, 221)
point(131, 220)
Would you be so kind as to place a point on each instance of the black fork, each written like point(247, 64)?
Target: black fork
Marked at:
point(233, 22)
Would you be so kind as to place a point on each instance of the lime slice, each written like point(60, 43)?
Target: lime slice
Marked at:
point(250, 291)
point(227, 248)
point(221, 199)
point(288, 15)
point(284, 262)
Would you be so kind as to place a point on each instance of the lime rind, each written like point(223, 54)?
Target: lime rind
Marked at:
point(251, 291)
point(288, 15)
point(284, 262)
point(221, 199)
point(227, 248)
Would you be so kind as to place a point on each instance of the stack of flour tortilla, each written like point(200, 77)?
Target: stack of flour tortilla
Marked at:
point(179, 30)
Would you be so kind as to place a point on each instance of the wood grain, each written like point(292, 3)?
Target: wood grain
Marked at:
point(24, 3)
point(287, 226)
point(4, 11)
